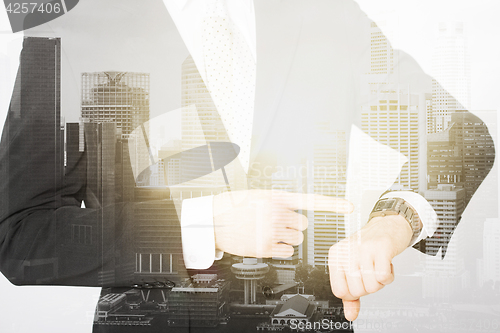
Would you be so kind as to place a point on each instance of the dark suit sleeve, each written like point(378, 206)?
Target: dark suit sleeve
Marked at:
point(46, 237)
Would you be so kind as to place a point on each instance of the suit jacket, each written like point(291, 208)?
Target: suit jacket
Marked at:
point(311, 60)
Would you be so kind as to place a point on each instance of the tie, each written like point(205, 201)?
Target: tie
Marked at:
point(230, 72)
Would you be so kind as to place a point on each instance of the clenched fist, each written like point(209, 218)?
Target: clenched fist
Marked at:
point(362, 264)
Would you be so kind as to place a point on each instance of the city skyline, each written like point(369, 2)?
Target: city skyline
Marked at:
point(456, 239)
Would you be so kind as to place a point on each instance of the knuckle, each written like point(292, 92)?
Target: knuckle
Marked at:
point(371, 288)
point(358, 292)
point(339, 292)
point(385, 277)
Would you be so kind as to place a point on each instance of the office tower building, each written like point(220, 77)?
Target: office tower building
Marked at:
point(100, 154)
point(194, 92)
point(158, 244)
point(445, 277)
point(462, 155)
point(201, 125)
point(108, 185)
point(157, 234)
point(392, 114)
point(118, 97)
point(382, 55)
point(383, 68)
point(392, 118)
point(171, 165)
point(444, 159)
point(478, 150)
point(34, 126)
point(326, 175)
point(430, 120)
point(451, 87)
point(112, 105)
point(5, 79)
point(424, 114)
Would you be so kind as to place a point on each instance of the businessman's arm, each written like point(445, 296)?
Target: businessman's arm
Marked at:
point(361, 264)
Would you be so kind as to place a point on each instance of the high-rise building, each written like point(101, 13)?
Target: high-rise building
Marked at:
point(34, 119)
point(451, 87)
point(101, 150)
point(171, 162)
point(383, 66)
point(462, 155)
point(326, 175)
point(445, 277)
point(158, 244)
point(118, 97)
point(382, 55)
point(113, 104)
point(444, 159)
point(108, 185)
point(392, 114)
point(201, 125)
point(194, 92)
point(392, 118)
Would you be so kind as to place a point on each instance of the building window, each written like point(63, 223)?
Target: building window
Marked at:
point(155, 263)
point(81, 234)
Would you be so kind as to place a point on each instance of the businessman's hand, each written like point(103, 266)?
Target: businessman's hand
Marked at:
point(362, 263)
point(263, 223)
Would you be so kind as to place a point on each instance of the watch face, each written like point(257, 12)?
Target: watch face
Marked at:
point(385, 204)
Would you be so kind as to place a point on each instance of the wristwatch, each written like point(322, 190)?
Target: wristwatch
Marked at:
point(398, 206)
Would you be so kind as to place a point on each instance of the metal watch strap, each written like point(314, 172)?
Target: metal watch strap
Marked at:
point(404, 209)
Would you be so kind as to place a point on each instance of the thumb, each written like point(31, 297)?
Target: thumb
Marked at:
point(351, 309)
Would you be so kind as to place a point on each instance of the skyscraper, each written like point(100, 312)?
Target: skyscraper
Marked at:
point(201, 124)
point(392, 118)
point(468, 153)
point(113, 104)
point(118, 97)
point(383, 66)
point(34, 119)
point(445, 277)
point(382, 59)
point(326, 176)
point(157, 236)
point(451, 87)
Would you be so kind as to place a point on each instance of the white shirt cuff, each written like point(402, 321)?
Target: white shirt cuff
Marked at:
point(197, 230)
point(424, 210)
